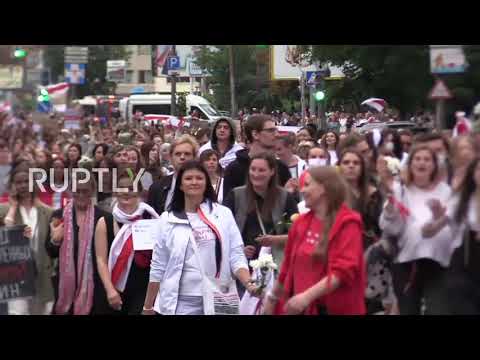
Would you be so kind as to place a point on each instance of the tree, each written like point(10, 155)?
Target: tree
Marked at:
point(251, 91)
point(98, 55)
point(398, 73)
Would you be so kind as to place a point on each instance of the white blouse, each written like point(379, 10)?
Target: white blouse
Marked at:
point(412, 245)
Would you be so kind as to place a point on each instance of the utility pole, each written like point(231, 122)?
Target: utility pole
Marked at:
point(232, 81)
point(173, 102)
point(302, 95)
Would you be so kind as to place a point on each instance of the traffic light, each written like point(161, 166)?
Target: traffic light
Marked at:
point(319, 95)
point(20, 53)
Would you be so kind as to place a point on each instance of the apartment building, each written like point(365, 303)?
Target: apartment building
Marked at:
point(139, 70)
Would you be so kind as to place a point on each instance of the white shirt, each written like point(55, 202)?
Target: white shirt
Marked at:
point(218, 187)
point(191, 280)
point(31, 220)
point(333, 157)
point(412, 245)
point(297, 170)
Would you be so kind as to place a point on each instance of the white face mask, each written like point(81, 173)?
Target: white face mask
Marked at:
point(317, 162)
point(389, 146)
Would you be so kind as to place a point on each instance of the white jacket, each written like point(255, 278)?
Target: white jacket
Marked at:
point(229, 157)
point(170, 247)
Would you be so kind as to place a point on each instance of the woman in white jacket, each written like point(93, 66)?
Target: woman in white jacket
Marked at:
point(198, 241)
point(420, 265)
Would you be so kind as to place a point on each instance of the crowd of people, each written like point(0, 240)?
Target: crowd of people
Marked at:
point(380, 223)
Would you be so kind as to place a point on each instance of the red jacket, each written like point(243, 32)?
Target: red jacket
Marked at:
point(345, 260)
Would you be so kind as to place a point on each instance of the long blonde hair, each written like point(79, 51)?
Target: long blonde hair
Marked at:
point(335, 196)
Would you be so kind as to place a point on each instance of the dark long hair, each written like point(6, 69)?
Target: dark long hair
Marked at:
point(324, 139)
point(467, 189)
point(145, 150)
point(22, 167)
point(363, 182)
point(178, 199)
point(104, 150)
point(397, 142)
point(69, 163)
point(273, 190)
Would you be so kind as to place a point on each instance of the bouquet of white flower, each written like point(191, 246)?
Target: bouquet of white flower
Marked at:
point(262, 266)
point(393, 165)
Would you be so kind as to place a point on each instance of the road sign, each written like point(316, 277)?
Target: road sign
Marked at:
point(173, 62)
point(194, 69)
point(76, 55)
point(44, 107)
point(447, 59)
point(75, 73)
point(314, 77)
point(76, 50)
point(116, 70)
point(440, 91)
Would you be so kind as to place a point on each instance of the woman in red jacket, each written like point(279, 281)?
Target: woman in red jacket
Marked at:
point(323, 270)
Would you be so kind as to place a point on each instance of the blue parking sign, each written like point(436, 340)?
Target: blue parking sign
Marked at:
point(173, 62)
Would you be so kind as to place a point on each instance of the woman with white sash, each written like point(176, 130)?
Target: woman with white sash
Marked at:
point(197, 250)
point(124, 271)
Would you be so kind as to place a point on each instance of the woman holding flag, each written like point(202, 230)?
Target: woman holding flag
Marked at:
point(124, 271)
point(420, 263)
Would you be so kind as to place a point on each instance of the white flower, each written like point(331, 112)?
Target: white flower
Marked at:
point(266, 261)
point(393, 165)
point(255, 264)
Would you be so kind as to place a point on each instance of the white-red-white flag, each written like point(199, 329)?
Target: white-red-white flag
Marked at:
point(375, 103)
point(57, 90)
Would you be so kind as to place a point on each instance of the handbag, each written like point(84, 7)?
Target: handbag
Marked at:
point(220, 296)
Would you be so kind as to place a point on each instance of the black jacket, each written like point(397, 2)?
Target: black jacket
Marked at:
point(157, 194)
point(236, 173)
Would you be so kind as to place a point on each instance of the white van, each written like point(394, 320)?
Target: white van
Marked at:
point(159, 104)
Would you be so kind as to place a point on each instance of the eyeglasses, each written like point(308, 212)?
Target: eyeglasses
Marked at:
point(271, 130)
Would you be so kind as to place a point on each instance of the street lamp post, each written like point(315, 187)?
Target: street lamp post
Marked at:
point(232, 80)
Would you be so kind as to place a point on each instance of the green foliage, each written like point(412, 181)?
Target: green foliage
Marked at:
point(398, 73)
point(249, 91)
point(182, 104)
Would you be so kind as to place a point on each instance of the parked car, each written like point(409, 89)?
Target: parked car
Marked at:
point(396, 125)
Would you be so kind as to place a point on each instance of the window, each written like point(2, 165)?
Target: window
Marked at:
point(209, 109)
point(129, 77)
point(145, 77)
point(200, 112)
point(157, 109)
point(144, 49)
